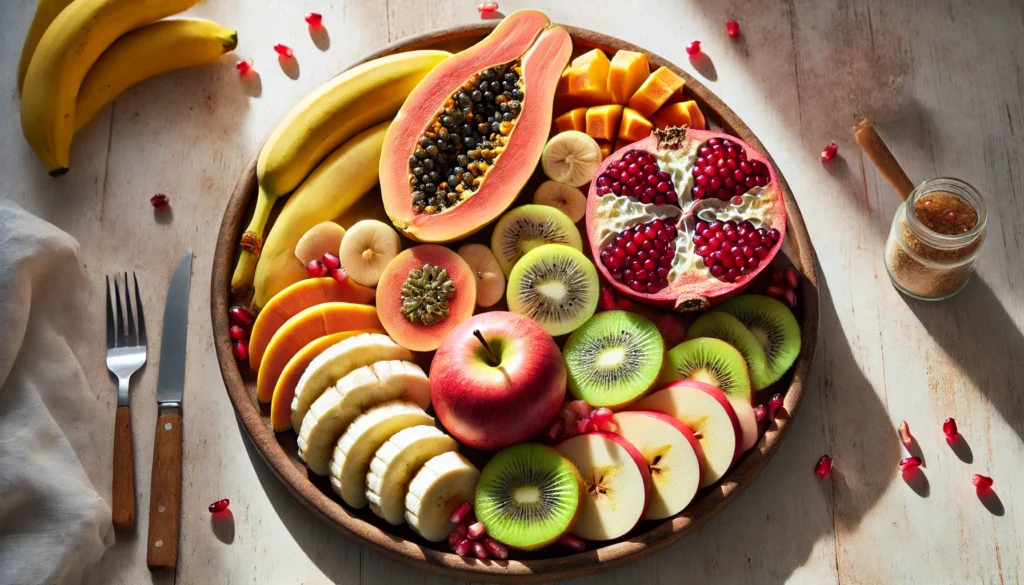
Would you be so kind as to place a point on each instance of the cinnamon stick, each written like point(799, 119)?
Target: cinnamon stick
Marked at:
point(879, 153)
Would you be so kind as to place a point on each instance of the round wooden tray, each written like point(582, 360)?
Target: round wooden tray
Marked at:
point(399, 543)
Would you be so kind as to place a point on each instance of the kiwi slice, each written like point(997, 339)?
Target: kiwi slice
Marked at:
point(556, 286)
point(528, 496)
point(527, 227)
point(708, 360)
point(614, 358)
point(774, 327)
point(729, 329)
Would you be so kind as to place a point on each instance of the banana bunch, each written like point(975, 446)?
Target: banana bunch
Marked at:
point(79, 55)
point(325, 149)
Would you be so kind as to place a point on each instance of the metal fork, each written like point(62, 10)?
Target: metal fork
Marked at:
point(126, 353)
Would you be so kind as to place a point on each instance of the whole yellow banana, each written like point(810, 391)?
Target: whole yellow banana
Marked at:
point(350, 103)
point(146, 52)
point(334, 186)
point(46, 11)
point(66, 51)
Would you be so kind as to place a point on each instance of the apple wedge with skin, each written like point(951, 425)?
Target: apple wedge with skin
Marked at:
point(674, 458)
point(745, 415)
point(706, 411)
point(616, 482)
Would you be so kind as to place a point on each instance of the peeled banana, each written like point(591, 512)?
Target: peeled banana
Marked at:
point(71, 44)
point(344, 106)
point(149, 51)
point(46, 11)
point(394, 465)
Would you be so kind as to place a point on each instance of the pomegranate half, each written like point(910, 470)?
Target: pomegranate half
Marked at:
point(685, 219)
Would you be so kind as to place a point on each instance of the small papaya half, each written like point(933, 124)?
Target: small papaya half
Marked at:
point(469, 136)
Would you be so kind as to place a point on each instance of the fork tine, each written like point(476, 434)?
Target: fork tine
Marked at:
point(121, 342)
point(138, 308)
point(132, 339)
point(111, 326)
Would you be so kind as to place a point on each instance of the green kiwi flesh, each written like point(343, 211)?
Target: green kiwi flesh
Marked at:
point(554, 285)
point(729, 329)
point(775, 328)
point(528, 496)
point(614, 358)
point(528, 227)
point(708, 360)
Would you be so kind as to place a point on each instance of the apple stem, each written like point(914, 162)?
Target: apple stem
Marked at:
point(487, 346)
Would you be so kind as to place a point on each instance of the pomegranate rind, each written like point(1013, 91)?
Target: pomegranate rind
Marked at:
point(544, 51)
point(415, 336)
point(689, 292)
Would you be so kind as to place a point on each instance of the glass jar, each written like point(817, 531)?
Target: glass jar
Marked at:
point(932, 244)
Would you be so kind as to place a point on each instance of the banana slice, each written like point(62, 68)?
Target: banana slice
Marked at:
point(339, 405)
point(395, 464)
point(439, 487)
point(490, 280)
point(362, 438)
point(336, 362)
point(324, 237)
point(564, 198)
point(366, 249)
point(571, 157)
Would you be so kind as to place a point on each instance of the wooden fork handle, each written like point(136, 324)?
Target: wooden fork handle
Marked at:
point(165, 491)
point(123, 512)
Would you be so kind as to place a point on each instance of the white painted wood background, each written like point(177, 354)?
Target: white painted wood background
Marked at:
point(943, 79)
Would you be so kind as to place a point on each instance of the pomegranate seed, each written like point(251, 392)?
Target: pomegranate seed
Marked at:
point(241, 316)
point(759, 412)
point(160, 201)
point(607, 426)
point(237, 332)
point(580, 408)
point(790, 297)
point(331, 261)
point(457, 535)
point(476, 530)
point(316, 269)
point(732, 28)
point(284, 51)
point(601, 415)
point(726, 173)
point(460, 513)
point(830, 152)
point(641, 180)
point(792, 277)
point(339, 275)
point(778, 275)
point(775, 291)
point(487, 9)
point(774, 404)
point(241, 349)
point(982, 482)
point(949, 429)
point(219, 506)
point(244, 66)
point(606, 299)
point(314, 19)
point(462, 548)
point(693, 49)
point(555, 430)
point(905, 435)
point(908, 463)
point(480, 551)
point(823, 467)
point(573, 542)
point(584, 425)
point(498, 550)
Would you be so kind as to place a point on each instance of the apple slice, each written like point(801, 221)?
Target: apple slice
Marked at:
point(747, 418)
point(707, 412)
point(617, 484)
point(674, 457)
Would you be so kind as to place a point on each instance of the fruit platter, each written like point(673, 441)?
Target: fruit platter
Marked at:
point(514, 302)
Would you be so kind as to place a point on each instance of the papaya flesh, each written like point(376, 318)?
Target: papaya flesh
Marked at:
point(440, 188)
point(588, 78)
point(626, 74)
point(655, 91)
point(603, 122)
point(633, 127)
point(575, 119)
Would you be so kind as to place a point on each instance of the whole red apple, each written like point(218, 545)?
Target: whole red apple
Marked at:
point(498, 379)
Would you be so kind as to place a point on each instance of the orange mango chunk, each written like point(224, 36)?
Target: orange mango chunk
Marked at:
point(671, 115)
point(572, 120)
point(655, 91)
point(588, 78)
point(696, 117)
point(307, 325)
point(297, 297)
point(628, 71)
point(603, 122)
point(634, 127)
point(284, 391)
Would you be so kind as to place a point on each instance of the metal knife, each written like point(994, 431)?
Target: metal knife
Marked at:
point(165, 490)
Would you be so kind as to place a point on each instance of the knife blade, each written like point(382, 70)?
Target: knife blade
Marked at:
point(165, 488)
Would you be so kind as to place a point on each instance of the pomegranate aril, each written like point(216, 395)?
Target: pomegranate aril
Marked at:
point(829, 152)
point(637, 177)
point(241, 349)
point(476, 530)
point(460, 513)
point(339, 275)
point(908, 463)
point(462, 548)
point(790, 298)
point(949, 429)
point(316, 269)
point(314, 19)
point(219, 506)
point(905, 436)
point(823, 467)
point(331, 261)
point(774, 404)
point(487, 8)
point(480, 551)
point(244, 66)
point(497, 550)
point(760, 412)
point(693, 49)
point(237, 332)
point(792, 278)
point(241, 316)
point(555, 430)
point(606, 299)
point(159, 201)
point(572, 542)
point(981, 482)
point(284, 50)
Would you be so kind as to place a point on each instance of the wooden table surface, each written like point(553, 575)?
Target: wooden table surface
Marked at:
point(944, 81)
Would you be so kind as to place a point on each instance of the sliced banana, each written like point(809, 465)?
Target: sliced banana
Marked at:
point(571, 157)
point(366, 249)
point(339, 405)
point(564, 198)
point(324, 237)
point(336, 362)
point(439, 487)
point(362, 438)
point(490, 280)
point(395, 464)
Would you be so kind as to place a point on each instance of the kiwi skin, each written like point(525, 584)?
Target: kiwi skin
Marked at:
point(538, 265)
point(722, 325)
point(533, 223)
point(689, 358)
point(773, 325)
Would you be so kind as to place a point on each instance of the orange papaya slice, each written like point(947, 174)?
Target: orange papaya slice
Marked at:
point(572, 120)
point(588, 78)
point(697, 121)
point(655, 91)
point(628, 71)
point(603, 122)
point(633, 127)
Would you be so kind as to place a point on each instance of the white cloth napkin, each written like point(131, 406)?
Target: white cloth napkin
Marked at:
point(54, 506)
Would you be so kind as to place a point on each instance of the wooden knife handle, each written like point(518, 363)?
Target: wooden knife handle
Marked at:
point(165, 492)
point(123, 513)
point(879, 153)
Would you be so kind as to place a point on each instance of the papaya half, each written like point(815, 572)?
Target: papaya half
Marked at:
point(470, 134)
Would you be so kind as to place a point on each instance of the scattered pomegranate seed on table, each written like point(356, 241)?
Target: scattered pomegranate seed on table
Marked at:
point(160, 201)
point(314, 19)
point(237, 332)
point(284, 50)
point(316, 268)
point(905, 435)
point(573, 542)
point(830, 152)
point(949, 429)
point(732, 28)
point(908, 463)
point(339, 275)
point(981, 481)
point(693, 49)
point(219, 506)
point(498, 550)
point(487, 9)
point(460, 513)
point(244, 66)
point(823, 467)
point(241, 316)
point(241, 350)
